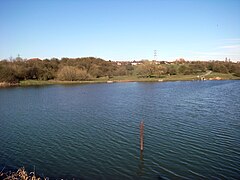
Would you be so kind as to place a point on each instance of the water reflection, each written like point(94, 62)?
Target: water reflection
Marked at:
point(140, 171)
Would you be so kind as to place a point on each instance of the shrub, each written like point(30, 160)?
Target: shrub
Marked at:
point(70, 73)
point(7, 74)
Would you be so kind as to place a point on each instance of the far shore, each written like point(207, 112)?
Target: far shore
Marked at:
point(122, 79)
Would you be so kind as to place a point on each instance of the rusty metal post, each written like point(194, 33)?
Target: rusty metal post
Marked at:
point(141, 135)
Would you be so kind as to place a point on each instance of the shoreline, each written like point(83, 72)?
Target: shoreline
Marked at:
point(123, 79)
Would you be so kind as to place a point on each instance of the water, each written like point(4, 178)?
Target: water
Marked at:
point(192, 130)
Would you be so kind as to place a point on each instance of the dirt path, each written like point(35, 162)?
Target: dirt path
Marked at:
point(209, 72)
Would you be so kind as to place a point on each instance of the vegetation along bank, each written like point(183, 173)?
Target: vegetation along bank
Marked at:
point(92, 70)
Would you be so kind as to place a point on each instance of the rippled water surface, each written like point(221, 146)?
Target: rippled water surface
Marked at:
point(192, 130)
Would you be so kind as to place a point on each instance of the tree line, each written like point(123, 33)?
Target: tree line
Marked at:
point(89, 68)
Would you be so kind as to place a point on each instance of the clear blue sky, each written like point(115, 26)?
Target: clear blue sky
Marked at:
point(120, 29)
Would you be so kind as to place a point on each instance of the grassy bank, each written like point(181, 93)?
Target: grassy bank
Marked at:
point(223, 76)
point(51, 82)
point(131, 79)
point(195, 77)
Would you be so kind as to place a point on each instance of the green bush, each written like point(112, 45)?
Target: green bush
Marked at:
point(7, 74)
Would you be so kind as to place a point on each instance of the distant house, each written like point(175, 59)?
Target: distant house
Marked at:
point(34, 59)
point(134, 63)
point(180, 61)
